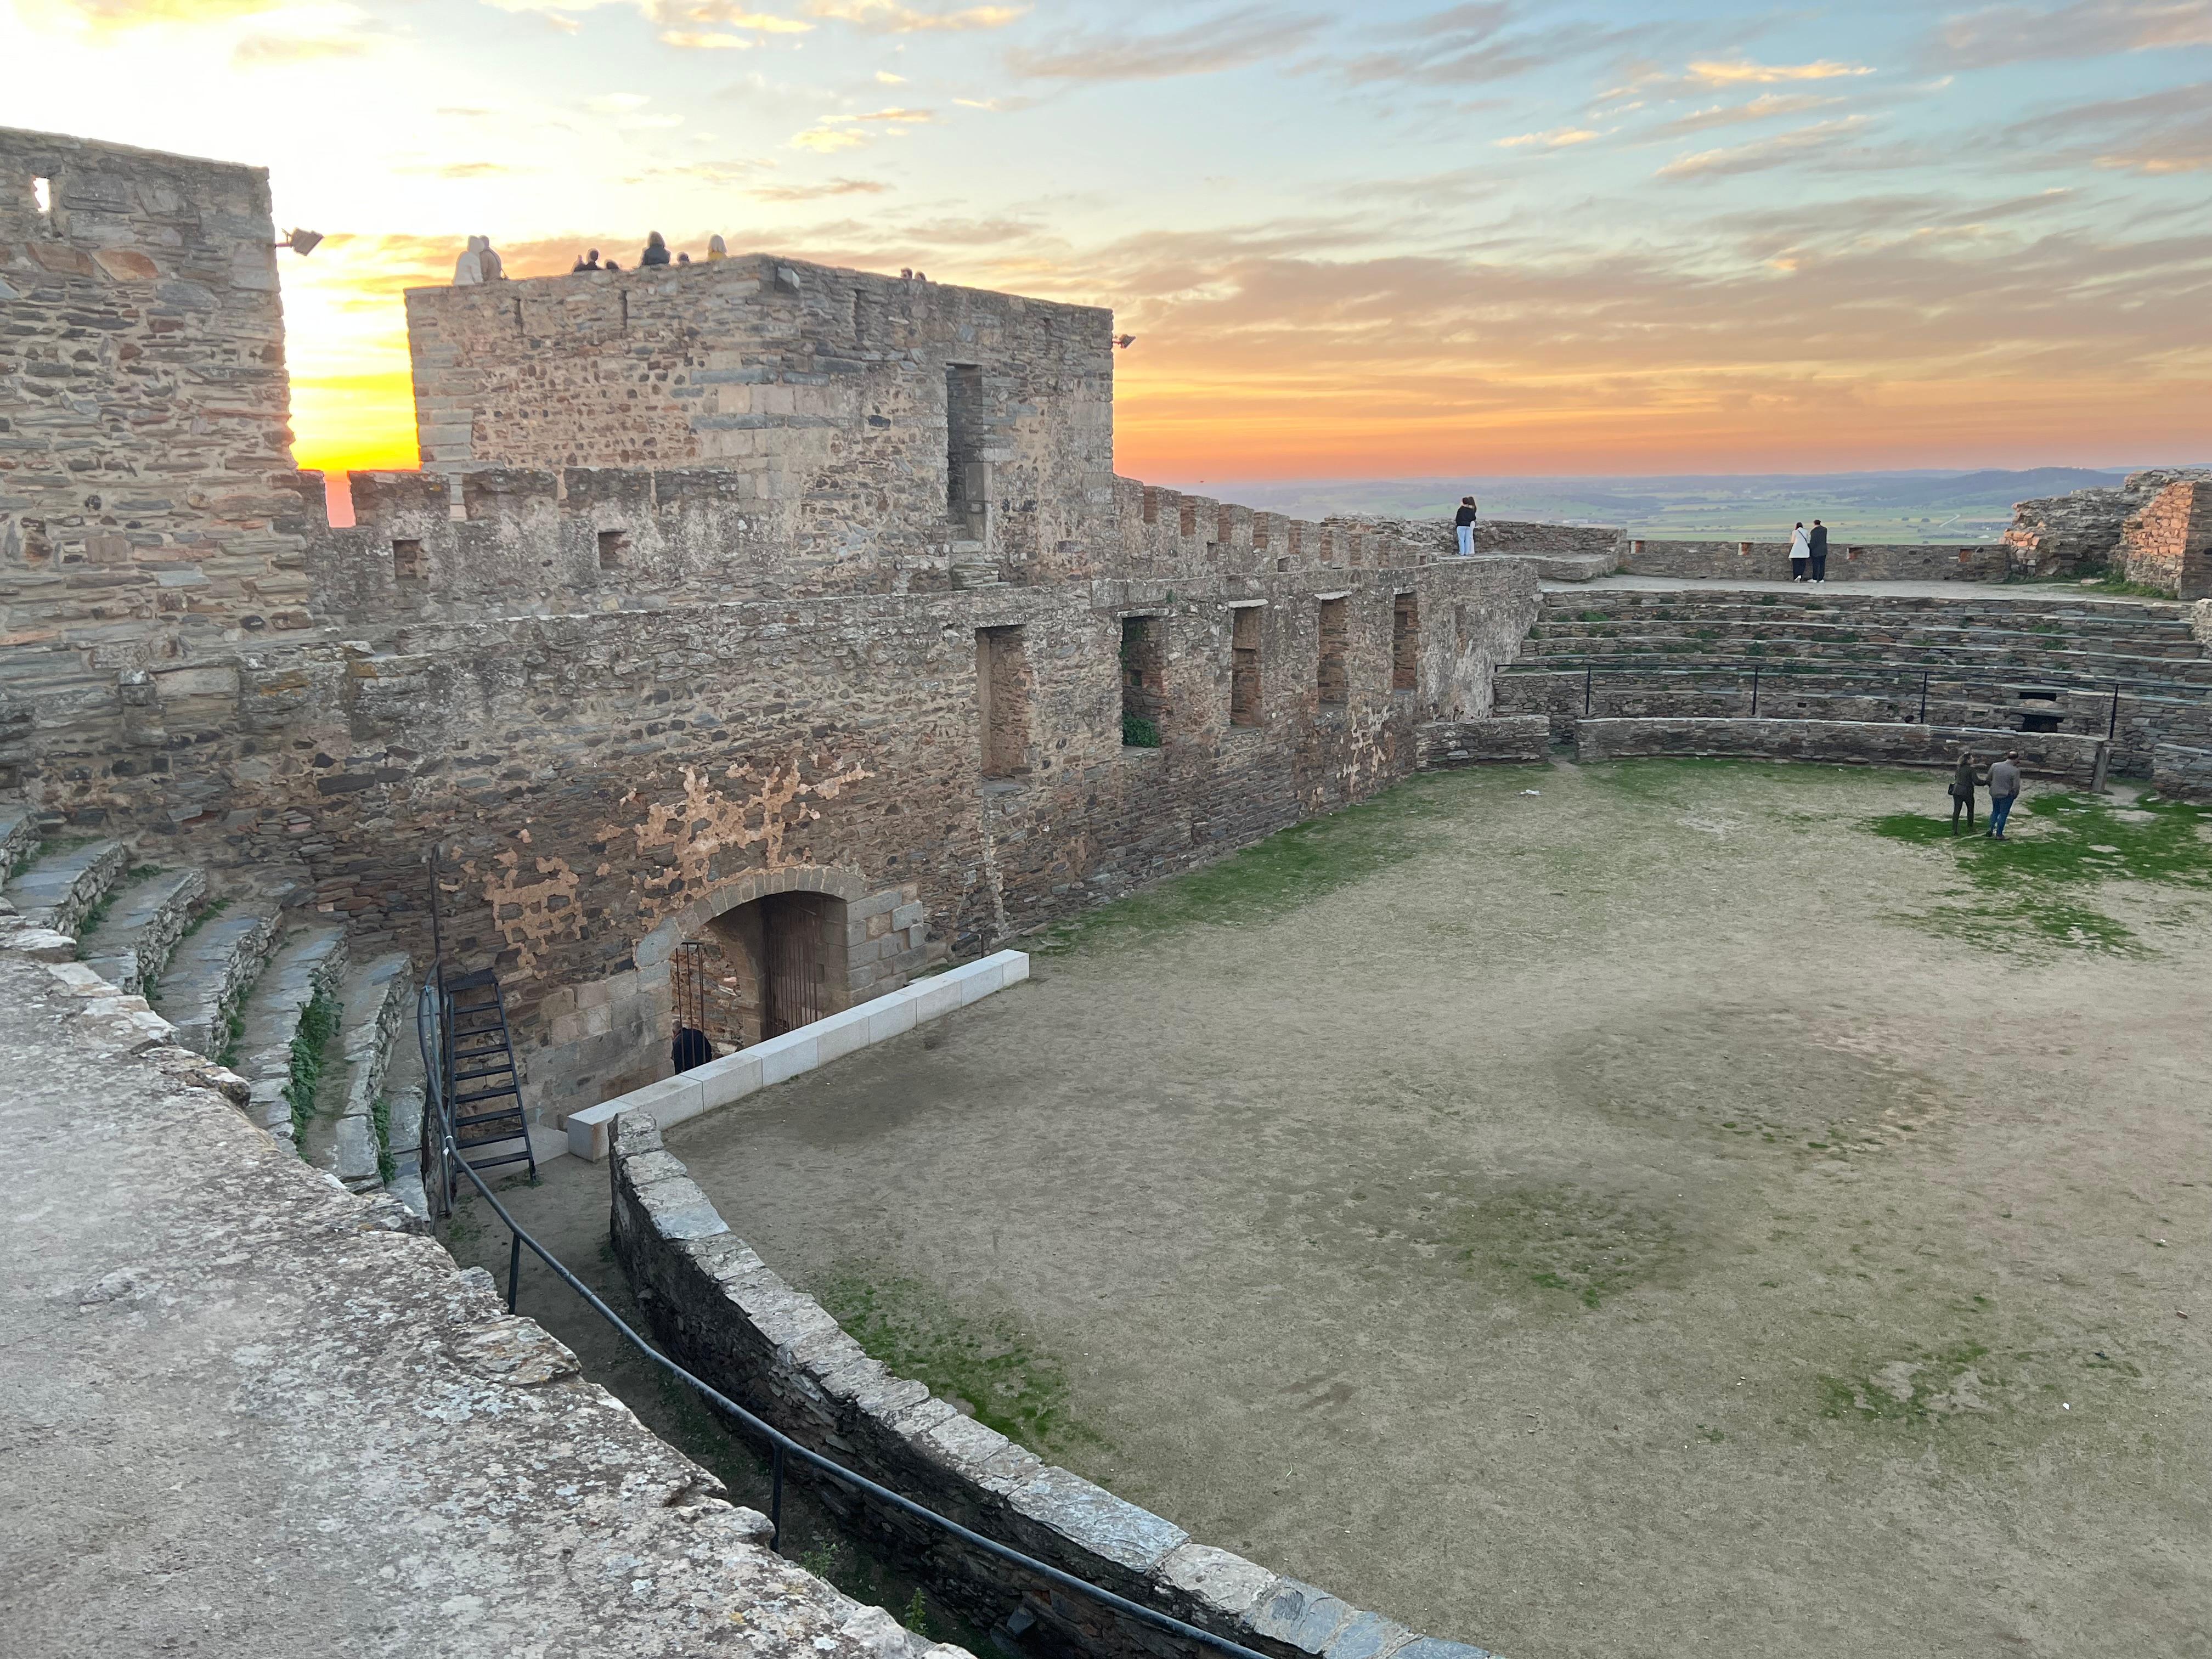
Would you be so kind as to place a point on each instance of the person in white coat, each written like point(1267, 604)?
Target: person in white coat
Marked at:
point(1801, 554)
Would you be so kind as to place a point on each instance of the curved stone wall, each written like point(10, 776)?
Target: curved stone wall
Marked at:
point(717, 1307)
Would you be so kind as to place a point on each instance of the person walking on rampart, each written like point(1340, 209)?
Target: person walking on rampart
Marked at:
point(1801, 553)
point(1962, 791)
point(1816, 544)
point(2004, 790)
point(656, 251)
point(1463, 521)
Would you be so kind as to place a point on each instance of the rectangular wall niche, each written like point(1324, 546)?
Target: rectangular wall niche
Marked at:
point(614, 547)
point(1406, 644)
point(1144, 681)
point(1002, 695)
point(1244, 665)
point(407, 562)
point(967, 474)
point(1330, 678)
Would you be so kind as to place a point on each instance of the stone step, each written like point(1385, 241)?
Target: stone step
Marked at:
point(134, 939)
point(19, 839)
point(213, 967)
point(402, 1088)
point(310, 964)
point(60, 890)
point(377, 1004)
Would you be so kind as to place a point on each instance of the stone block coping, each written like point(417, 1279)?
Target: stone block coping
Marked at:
point(719, 1082)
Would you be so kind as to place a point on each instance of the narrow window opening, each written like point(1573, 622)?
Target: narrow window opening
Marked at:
point(1151, 506)
point(1187, 519)
point(614, 548)
point(967, 474)
point(1002, 695)
point(1244, 665)
point(1144, 681)
point(42, 197)
point(1294, 539)
point(1225, 526)
point(2038, 722)
point(407, 562)
point(858, 332)
point(2041, 696)
point(1330, 678)
point(1405, 644)
point(1259, 532)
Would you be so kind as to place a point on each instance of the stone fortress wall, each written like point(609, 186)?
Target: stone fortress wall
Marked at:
point(754, 577)
point(146, 486)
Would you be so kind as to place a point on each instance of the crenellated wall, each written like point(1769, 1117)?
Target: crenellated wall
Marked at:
point(149, 523)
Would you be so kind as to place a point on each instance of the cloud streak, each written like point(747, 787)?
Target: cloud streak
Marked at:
point(1232, 40)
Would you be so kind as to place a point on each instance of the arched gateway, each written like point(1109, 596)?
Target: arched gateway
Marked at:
point(759, 957)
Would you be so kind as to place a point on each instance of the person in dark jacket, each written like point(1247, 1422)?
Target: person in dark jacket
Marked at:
point(1463, 522)
point(589, 262)
point(2004, 790)
point(1820, 543)
point(656, 251)
point(1962, 793)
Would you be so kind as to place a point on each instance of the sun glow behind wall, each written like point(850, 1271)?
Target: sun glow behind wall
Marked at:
point(1405, 240)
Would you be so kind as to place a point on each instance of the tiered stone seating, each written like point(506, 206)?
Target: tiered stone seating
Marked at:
point(2135, 670)
point(235, 978)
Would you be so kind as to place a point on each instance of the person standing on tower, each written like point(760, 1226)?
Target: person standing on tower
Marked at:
point(1463, 522)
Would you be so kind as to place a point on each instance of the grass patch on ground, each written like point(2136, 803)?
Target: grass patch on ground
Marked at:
point(318, 1025)
point(989, 1362)
point(1293, 866)
point(380, 1119)
point(2037, 886)
point(1562, 1240)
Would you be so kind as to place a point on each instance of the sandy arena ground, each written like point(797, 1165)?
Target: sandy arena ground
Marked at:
point(1656, 1215)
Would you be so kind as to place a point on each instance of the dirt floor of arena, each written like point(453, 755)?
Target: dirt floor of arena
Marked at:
point(1663, 1207)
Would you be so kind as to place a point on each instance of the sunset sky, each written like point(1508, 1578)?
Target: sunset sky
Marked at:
point(1354, 240)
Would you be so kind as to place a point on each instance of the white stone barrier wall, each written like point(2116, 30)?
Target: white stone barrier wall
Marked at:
point(719, 1082)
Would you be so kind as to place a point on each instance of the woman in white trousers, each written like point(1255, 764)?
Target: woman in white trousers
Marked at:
point(1801, 554)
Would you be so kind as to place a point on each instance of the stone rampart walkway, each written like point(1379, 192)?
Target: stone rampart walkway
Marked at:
point(245, 1416)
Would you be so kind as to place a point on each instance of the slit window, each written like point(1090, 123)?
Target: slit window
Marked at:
point(42, 197)
point(1244, 665)
point(1144, 681)
point(1330, 678)
point(1002, 695)
point(614, 548)
point(408, 564)
point(1405, 643)
point(967, 474)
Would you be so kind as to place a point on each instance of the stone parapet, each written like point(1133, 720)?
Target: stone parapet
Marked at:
point(321, 1390)
point(1847, 561)
point(2075, 760)
point(725, 1313)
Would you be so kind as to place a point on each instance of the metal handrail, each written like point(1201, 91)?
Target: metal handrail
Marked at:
point(1627, 662)
point(781, 1444)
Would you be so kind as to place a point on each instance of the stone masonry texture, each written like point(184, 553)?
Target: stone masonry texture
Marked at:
point(264, 1420)
point(146, 487)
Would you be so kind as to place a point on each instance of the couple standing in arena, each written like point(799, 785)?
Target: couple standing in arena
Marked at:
point(1808, 553)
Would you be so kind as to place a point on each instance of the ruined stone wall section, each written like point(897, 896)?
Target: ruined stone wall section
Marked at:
point(2084, 531)
point(2167, 545)
point(150, 526)
point(724, 1312)
point(823, 394)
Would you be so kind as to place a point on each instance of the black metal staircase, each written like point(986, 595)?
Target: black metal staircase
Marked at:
point(484, 1090)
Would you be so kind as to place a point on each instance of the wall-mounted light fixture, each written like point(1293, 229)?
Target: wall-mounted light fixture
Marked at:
point(301, 242)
